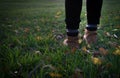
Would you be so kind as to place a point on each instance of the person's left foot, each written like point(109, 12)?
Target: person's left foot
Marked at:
point(90, 36)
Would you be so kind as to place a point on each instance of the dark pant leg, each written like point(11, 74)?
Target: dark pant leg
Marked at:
point(72, 12)
point(94, 11)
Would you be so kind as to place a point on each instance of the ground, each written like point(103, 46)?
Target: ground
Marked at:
point(31, 35)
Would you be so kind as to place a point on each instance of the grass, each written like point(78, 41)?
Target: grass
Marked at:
point(31, 36)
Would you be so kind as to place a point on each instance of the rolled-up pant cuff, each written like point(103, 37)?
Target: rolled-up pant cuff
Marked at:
point(72, 32)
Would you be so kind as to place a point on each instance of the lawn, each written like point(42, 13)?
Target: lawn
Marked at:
point(31, 36)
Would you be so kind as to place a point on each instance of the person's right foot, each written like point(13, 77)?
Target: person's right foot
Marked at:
point(72, 42)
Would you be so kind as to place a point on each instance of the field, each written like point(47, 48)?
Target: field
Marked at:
point(31, 36)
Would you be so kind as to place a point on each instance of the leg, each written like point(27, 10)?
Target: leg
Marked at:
point(72, 19)
point(93, 12)
point(93, 18)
